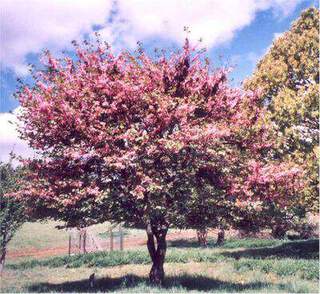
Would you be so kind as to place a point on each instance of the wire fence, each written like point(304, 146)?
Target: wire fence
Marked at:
point(85, 240)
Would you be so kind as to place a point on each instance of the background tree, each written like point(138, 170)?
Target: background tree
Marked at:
point(125, 138)
point(250, 217)
point(208, 207)
point(288, 77)
point(11, 211)
point(247, 217)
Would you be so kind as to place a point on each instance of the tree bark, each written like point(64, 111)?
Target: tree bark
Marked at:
point(2, 259)
point(202, 235)
point(220, 239)
point(279, 231)
point(157, 253)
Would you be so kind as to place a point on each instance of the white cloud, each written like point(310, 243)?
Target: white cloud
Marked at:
point(214, 21)
point(9, 137)
point(30, 26)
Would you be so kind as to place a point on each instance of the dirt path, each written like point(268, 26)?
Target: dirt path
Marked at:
point(33, 252)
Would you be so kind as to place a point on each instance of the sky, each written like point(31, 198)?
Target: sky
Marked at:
point(236, 33)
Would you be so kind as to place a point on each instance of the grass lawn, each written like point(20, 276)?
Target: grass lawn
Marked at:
point(38, 235)
point(238, 266)
point(45, 235)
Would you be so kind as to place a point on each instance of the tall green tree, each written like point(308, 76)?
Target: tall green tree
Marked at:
point(11, 210)
point(288, 77)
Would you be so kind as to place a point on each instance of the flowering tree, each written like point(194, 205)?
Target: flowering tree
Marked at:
point(128, 138)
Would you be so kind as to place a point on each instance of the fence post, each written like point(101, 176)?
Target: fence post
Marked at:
point(69, 249)
point(111, 240)
point(80, 235)
point(121, 237)
point(84, 240)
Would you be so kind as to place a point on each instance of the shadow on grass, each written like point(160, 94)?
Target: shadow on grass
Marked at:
point(308, 249)
point(184, 282)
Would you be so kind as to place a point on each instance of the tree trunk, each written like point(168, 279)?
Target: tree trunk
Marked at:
point(157, 253)
point(220, 239)
point(279, 231)
point(202, 235)
point(2, 259)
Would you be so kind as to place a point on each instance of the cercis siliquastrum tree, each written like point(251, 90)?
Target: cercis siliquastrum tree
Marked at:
point(126, 137)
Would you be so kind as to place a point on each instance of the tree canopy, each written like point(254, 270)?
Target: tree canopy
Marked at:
point(129, 138)
point(288, 78)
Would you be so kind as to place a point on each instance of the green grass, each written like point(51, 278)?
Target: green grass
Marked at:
point(208, 277)
point(38, 235)
point(251, 243)
point(238, 266)
point(307, 269)
point(230, 244)
point(45, 235)
point(180, 283)
point(269, 260)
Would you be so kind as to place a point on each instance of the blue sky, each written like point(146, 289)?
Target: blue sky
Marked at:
point(236, 32)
